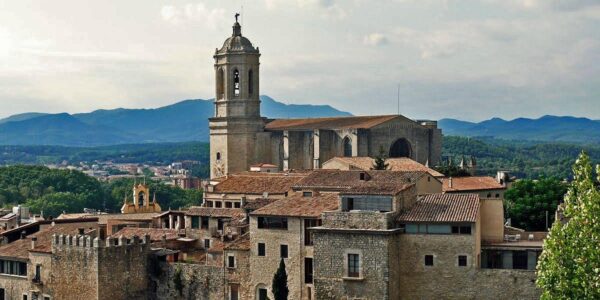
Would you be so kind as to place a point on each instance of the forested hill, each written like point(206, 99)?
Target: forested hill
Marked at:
point(183, 121)
point(546, 128)
point(525, 159)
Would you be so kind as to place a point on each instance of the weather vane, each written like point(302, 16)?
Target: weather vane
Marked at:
point(236, 16)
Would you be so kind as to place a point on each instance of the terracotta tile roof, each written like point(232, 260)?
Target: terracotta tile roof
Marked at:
point(103, 218)
point(443, 208)
point(234, 213)
point(217, 246)
point(20, 248)
point(360, 122)
point(155, 234)
point(377, 182)
point(300, 206)
point(470, 183)
point(241, 243)
point(255, 204)
point(395, 164)
point(258, 183)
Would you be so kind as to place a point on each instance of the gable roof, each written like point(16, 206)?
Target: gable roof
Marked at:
point(344, 181)
point(395, 164)
point(258, 183)
point(299, 206)
point(155, 234)
point(234, 213)
point(443, 208)
point(241, 243)
point(359, 122)
point(470, 183)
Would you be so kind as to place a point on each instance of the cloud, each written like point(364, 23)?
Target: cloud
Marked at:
point(375, 39)
point(558, 5)
point(325, 8)
point(196, 13)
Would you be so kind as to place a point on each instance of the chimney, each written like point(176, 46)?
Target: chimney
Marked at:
point(449, 182)
point(33, 242)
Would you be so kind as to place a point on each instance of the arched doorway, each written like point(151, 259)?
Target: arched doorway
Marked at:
point(401, 148)
point(347, 143)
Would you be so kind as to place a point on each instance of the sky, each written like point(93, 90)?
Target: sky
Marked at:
point(465, 59)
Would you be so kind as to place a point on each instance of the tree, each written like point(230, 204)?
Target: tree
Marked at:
point(569, 267)
point(528, 201)
point(379, 163)
point(279, 285)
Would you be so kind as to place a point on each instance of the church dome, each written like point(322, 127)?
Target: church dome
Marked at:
point(237, 43)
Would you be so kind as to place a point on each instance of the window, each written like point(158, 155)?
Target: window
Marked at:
point(24, 296)
point(350, 204)
point(347, 147)
point(234, 292)
point(237, 204)
point(206, 243)
point(261, 249)
point(218, 204)
point(209, 204)
point(353, 265)
point(519, 259)
point(231, 261)
point(13, 268)
point(371, 203)
point(307, 194)
point(195, 222)
point(429, 260)
point(262, 294)
point(38, 273)
point(272, 223)
point(219, 224)
point(308, 223)
point(2, 294)
point(497, 195)
point(250, 82)
point(308, 270)
point(228, 204)
point(204, 224)
point(489, 195)
point(283, 251)
point(218, 155)
point(236, 82)
point(464, 229)
point(462, 260)
point(220, 83)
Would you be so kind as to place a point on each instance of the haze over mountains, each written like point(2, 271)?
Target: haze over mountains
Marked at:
point(188, 121)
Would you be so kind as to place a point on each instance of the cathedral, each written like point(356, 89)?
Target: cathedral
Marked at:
point(240, 137)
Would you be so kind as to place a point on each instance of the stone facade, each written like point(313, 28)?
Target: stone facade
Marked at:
point(189, 281)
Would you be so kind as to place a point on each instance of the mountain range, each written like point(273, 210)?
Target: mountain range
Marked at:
point(183, 121)
point(547, 129)
point(188, 121)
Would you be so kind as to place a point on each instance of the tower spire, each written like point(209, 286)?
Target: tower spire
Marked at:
point(237, 28)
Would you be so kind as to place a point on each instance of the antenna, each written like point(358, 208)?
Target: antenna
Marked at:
point(398, 99)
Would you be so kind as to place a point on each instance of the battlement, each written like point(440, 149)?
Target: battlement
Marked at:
point(87, 241)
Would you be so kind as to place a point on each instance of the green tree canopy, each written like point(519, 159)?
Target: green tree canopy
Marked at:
point(279, 285)
point(527, 202)
point(379, 163)
point(569, 267)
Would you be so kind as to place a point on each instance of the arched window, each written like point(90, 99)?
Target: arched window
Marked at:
point(218, 155)
point(236, 82)
point(250, 82)
point(220, 83)
point(347, 147)
point(400, 148)
point(141, 199)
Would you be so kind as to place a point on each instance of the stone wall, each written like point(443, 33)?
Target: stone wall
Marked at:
point(357, 220)
point(240, 274)
point(446, 280)
point(189, 281)
point(378, 257)
point(14, 286)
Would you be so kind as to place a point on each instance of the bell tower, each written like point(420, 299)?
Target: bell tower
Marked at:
point(237, 117)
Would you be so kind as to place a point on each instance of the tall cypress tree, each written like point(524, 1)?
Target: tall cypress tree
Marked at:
point(279, 285)
point(379, 163)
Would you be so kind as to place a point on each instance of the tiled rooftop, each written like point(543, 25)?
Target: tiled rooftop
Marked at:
point(258, 183)
point(241, 243)
point(299, 206)
point(470, 183)
point(234, 213)
point(360, 122)
point(394, 164)
point(20, 248)
point(155, 234)
point(443, 208)
point(375, 182)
